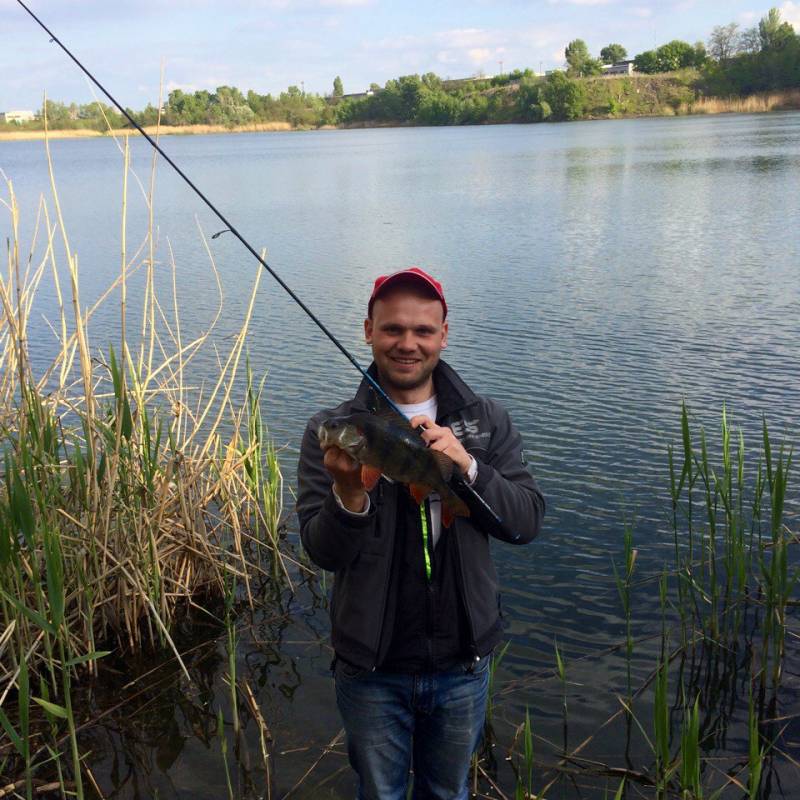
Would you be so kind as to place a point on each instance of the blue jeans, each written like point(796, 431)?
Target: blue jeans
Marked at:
point(435, 718)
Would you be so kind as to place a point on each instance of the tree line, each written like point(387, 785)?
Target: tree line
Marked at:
point(733, 61)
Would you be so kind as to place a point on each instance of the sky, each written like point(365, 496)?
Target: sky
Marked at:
point(268, 45)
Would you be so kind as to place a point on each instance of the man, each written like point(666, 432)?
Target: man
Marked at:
point(415, 611)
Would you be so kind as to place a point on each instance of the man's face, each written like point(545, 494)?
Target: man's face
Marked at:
point(407, 333)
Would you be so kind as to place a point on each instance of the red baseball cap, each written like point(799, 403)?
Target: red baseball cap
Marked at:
point(413, 273)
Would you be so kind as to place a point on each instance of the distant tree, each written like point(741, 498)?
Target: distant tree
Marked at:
point(576, 53)
point(749, 40)
point(564, 96)
point(580, 63)
point(723, 43)
point(528, 99)
point(58, 115)
point(773, 33)
point(700, 54)
point(646, 62)
point(432, 80)
point(338, 89)
point(613, 53)
point(437, 107)
point(675, 55)
point(410, 88)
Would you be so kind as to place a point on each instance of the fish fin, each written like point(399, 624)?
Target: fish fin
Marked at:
point(382, 410)
point(444, 464)
point(453, 506)
point(419, 492)
point(369, 477)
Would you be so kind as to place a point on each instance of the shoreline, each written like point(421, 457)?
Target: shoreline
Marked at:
point(150, 130)
point(761, 103)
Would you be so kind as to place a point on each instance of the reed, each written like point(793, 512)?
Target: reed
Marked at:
point(624, 581)
point(755, 753)
point(752, 104)
point(127, 492)
point(223, 744)
point(689, 772)
point(230, 630)
point(561, 669)
point(524, 787)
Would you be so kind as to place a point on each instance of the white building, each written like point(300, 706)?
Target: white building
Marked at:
point(17, 116)
point(618, 68)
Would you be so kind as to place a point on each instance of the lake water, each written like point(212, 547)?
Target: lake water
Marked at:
point(597, 274)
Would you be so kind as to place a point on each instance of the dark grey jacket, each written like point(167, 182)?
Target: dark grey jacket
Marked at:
point(359, 550)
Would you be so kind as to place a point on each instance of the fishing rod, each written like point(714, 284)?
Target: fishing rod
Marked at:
point(477, 505)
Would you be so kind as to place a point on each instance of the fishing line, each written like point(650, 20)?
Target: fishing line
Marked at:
point(462, 488)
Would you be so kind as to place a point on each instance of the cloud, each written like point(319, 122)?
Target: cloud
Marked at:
point(791, 13)
point(479, 55)
point(643, 12)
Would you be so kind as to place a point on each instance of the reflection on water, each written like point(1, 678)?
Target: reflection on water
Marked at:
point(597, 273)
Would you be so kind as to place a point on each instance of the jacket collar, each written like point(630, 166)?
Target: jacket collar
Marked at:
point(452, 394)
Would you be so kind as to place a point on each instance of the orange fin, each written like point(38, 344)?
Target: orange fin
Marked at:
point(369, 477)
point(419, 492)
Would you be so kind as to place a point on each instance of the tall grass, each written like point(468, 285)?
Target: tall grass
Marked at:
point(752, 104)
point(127, 493)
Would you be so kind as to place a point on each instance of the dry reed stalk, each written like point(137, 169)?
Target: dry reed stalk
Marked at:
point(139, 475)
point(752, 104)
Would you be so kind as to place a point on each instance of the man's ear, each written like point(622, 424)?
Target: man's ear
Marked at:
point(445, 329)
point(368, 327)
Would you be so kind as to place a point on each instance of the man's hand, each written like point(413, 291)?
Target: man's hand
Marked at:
point(346, 474)
point(443, 439)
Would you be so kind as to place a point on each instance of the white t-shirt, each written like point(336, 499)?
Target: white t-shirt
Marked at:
point(429, 408)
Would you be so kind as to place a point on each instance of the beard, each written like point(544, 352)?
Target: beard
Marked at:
point(391, 379)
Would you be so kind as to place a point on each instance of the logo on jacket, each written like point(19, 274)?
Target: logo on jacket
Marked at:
point(468, 429)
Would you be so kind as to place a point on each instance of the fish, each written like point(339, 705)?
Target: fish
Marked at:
point(385, 444)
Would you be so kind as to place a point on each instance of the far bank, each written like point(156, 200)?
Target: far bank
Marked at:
point(603, 98)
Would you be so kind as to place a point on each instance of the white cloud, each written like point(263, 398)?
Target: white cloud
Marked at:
point(465, 37)
point(479, 55)
point(791, 13)
point(643, 12)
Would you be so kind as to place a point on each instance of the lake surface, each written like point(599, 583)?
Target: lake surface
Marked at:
point(597, 274)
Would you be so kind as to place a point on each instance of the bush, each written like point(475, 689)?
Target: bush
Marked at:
point(565, 97)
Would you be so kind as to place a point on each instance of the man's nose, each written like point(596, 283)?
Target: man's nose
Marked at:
point(407, 341)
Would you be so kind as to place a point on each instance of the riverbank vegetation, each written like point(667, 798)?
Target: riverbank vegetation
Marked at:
point(676, 77)
point(712, 715)
point(131, 494)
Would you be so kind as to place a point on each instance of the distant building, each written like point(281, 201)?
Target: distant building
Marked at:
point(358, 95)
point(619, 68)
point(17, 117)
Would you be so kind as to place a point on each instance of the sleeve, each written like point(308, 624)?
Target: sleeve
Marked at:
point(505, 482)
point(331, 535)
